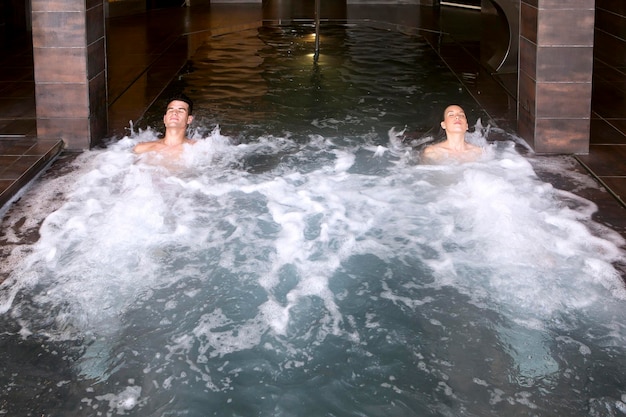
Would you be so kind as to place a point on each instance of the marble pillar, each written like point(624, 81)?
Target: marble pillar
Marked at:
point(555, 74)
point(69, 54)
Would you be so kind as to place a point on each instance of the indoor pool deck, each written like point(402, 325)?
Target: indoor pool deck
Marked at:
point(145, 51)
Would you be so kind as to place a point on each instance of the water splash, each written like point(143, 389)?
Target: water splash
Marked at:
point(318, 267)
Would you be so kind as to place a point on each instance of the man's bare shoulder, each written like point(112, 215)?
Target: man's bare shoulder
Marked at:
point(161, 146)
point(144, 147)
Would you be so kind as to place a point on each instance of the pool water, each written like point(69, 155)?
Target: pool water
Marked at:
point(299, 260)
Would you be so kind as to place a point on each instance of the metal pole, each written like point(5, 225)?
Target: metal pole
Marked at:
point(317, 30)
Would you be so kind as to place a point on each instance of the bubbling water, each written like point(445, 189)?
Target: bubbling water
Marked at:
point(321, 277)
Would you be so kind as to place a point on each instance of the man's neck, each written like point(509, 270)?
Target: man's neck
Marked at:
point(174, 136)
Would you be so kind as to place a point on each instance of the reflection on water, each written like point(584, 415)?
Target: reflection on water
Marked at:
point(258, 82)
point(315, 268)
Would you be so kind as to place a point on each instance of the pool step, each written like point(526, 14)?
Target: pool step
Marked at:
point(21, 160)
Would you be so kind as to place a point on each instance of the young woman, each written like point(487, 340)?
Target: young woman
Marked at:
point(454, 147)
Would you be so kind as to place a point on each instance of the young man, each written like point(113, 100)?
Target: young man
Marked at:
point(176, 119)
point(454, 147)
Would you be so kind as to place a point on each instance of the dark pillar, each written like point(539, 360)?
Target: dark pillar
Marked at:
point(555, 72)
point(69, 54)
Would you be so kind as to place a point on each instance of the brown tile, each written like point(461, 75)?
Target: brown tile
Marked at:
point(96, 58)
point(611, 23)
point(565, 27)
point(564, 64)
point(92, 3)
point(20, 172)
point(610, 49)
point(74, 132)
point(97, 94)
point(611, 76)
point(59, 29)
point(604, 133)
point(60, 65)
point(44, 147)
point(8, 189)
point(607, 101)
point(615, 6)
point(17, 107)
point(526, 126)
point(619, 124)
point(566, 136)
point(5, 191)
point(57, 5)
point(606, 160)
point(6, 162)
point(617, 186)
point(569, 4)
point(98, 126)
point(563, 100)
point(62, 100)
point(527, 94)
point(94, 28)
point(529, 21)
point(18, 166)
point(528, 58)
point(15, 147)
point(20, 127)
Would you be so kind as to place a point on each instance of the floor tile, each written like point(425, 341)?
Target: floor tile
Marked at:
point(606, 160)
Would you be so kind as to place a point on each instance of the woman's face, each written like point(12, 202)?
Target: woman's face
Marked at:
point(454, 120)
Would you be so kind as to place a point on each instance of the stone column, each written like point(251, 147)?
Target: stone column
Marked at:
point(69, 54)
point(555, 73)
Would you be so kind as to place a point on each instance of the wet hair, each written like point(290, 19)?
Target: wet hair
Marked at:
point(443, 113)
point(184, 98)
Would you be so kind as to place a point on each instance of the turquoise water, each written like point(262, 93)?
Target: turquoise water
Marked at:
point(300, 261)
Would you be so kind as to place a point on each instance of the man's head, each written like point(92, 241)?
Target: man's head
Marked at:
point(178, 112)
point(184, 98)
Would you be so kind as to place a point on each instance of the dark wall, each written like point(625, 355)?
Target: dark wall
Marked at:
point(610, 37)
point(303, 9)
point(14, 22)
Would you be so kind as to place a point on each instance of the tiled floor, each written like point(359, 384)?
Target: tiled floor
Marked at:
point(145, 52)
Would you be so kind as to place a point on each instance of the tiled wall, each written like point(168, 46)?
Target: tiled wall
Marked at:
point(555, 74)
point(70, 71)
point(611, 32)
point(610, 57)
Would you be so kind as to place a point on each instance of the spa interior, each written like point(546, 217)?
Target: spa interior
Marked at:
point(73, 73)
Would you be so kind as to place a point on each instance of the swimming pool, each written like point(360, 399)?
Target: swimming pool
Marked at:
point(299, 260)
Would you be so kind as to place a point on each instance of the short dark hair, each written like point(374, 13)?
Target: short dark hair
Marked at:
point(184, 98)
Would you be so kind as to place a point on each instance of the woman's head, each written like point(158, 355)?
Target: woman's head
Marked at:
point(454, 120)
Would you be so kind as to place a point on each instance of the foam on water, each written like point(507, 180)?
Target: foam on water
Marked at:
point(278, 268)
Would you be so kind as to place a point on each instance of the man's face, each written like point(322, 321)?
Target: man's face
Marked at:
point(177, 114)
